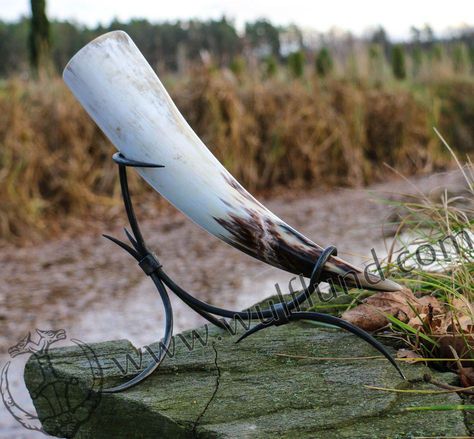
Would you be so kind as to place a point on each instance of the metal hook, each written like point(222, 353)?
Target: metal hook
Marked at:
point(120, 159)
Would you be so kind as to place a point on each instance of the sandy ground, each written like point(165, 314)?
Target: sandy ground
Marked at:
point(95, 292)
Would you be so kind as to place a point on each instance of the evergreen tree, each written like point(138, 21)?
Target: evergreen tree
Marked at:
point(39, 40)
point(237, 65)
point(398, 62)
point(471, 58)
point(376, 62)
point(417, 60)
point(459, 58)
point(323, 63)
point(296, 63)
point(262, 33)
point(271, 66)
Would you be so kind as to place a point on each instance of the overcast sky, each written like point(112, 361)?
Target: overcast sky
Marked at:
point(357, 16)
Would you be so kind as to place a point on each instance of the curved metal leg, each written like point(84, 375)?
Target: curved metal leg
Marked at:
point(165, 343)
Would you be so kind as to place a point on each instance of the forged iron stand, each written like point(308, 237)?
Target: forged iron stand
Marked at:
point(278, 314)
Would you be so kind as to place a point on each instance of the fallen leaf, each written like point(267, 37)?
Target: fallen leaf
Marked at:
point(461, 305)
point(426, 302)
point(418, 321)
point(370, 315)
point(461, 323)
point(460, 344)
point(466, 376)
point(366, 317)
point(407, 353)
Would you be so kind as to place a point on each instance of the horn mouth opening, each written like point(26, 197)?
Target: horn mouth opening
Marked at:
point(112, 35)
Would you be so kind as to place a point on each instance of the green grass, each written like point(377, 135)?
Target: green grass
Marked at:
point(427, 222)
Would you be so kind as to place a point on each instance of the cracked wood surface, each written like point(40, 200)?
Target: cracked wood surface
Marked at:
point(224, 390)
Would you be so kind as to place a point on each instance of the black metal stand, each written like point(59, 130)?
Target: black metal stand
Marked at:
point(278, 314)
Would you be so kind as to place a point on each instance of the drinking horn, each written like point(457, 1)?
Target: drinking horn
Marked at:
point(123, 95)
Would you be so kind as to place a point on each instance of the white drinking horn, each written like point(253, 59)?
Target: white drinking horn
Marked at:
point(121, 92)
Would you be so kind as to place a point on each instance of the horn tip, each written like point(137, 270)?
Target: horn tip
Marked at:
point(388, 285)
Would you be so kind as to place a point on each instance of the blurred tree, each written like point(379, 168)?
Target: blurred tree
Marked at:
point(376, 62)
point(67, 39)
point(237, 65)
point(290, 39)
point(459, 57)
point(224, 40)
point(398, 62)
point(148, 38)
point(14, 46)
point(218, 37)
point(270, 66)
point(323, 63)
point(173, 46)
point(436, 53)
point(39, 41)
point(471, 58)
point(427, 34)
point(416, 60)
point(415, 34)
point(380, 39)
point(296, 63)
point(263, 37)
point(165, 39)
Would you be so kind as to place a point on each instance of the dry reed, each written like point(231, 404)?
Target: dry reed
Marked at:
point(55, 164)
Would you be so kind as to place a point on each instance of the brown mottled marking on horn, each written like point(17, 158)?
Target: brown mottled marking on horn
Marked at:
point(261, 238)
point(233, 183)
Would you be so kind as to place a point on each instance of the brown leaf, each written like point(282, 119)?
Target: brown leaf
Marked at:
point(460, 316)
point(463, 323)
point(426, 302)
point(440, 323)
point(418, 321)
point(466, 375)
point(460, 344)
point(407, 353)
point(366, 317)
point(461, 306)
point(370, 315)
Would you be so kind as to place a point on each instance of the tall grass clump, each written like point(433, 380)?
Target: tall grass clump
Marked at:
point(301, 134)
point(269, 132)
point(433, 254)
point(53, 161)
point(398, 62)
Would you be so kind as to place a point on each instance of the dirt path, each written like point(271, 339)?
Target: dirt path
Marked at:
point(89, 286)
point(96, 292)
